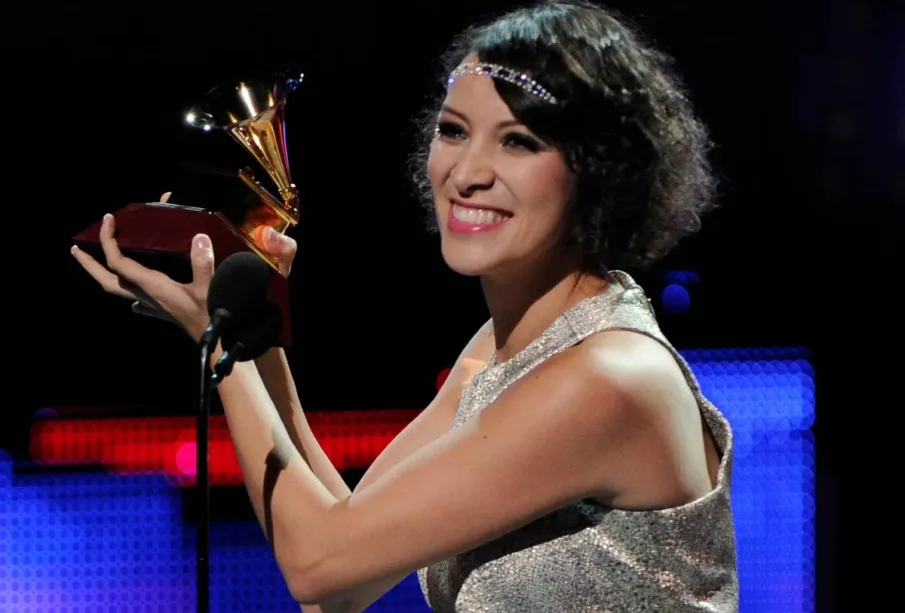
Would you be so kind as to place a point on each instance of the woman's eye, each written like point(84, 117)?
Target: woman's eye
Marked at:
point(447, 129)
point(522, 141)
point(454, 131)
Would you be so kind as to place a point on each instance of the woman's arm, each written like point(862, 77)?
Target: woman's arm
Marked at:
point(277, 378)
point(569, 431)
point(156, 294)
point(274, 370)
point(434, 421)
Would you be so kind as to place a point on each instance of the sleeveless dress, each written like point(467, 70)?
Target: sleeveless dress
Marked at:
point(586, 557)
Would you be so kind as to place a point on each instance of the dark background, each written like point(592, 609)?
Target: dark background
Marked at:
point(805, 100)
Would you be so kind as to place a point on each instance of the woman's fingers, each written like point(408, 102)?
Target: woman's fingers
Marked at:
point(282, 248)
point(107, 280)
point(124, 267)
point(123, 276)
point(280, 245)
point(202, 257)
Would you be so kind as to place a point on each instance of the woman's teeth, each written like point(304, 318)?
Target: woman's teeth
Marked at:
point(476, 216)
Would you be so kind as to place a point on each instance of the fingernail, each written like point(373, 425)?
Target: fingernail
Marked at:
point(203, 241)
point(270, 234)
point(73, 249)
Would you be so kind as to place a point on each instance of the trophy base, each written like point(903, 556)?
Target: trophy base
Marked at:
point(162, 228)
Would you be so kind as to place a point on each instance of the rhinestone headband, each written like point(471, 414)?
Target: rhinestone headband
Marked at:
point(495, 71)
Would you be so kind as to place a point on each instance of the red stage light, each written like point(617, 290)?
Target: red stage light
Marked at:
point(166, 445)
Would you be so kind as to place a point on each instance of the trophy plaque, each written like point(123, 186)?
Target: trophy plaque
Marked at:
point(252, 112)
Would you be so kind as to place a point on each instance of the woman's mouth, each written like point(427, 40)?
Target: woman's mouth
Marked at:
point(473, 218)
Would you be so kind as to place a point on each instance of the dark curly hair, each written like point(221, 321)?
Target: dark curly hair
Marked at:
point(623, 124)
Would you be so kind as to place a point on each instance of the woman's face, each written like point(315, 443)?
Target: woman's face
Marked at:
point(501, 194)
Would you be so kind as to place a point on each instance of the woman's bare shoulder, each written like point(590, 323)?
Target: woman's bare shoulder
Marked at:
point(474, 356)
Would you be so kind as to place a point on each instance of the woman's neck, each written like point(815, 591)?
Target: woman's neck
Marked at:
point(523, 306)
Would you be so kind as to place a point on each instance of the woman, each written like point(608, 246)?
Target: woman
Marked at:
point(569, 462)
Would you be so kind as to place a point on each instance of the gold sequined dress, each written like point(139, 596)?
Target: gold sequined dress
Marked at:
point(586, 557)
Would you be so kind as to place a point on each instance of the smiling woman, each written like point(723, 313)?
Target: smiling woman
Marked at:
point(620, 122)
point(499, 192)
point(570, 461)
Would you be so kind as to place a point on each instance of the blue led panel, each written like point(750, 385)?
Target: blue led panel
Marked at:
point(83, 542)
point(768, 397)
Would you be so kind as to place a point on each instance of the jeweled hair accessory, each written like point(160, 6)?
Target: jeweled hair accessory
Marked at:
point(495, 71)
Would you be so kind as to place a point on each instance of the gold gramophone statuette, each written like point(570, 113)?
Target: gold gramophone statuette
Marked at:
point(253, 114)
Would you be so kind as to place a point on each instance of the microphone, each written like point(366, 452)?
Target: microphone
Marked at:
point(243, 319)
point(238, 289)
point(251, 342)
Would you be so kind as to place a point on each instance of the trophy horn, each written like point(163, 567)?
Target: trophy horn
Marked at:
point(253, 113)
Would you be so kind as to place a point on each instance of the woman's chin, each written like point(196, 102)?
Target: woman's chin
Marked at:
point(468, 264)
point(465, 270)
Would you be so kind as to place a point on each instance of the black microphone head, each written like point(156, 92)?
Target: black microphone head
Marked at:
point(261, 333)
point(239, 286)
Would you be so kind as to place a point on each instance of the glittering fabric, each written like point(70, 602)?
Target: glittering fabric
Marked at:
point(586, 557)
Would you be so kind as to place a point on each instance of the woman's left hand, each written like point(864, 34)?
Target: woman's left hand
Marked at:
point(152, 292)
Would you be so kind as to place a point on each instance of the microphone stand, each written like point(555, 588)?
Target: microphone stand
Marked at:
point(209, 341)
point(224, 365)
point(202, 486)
